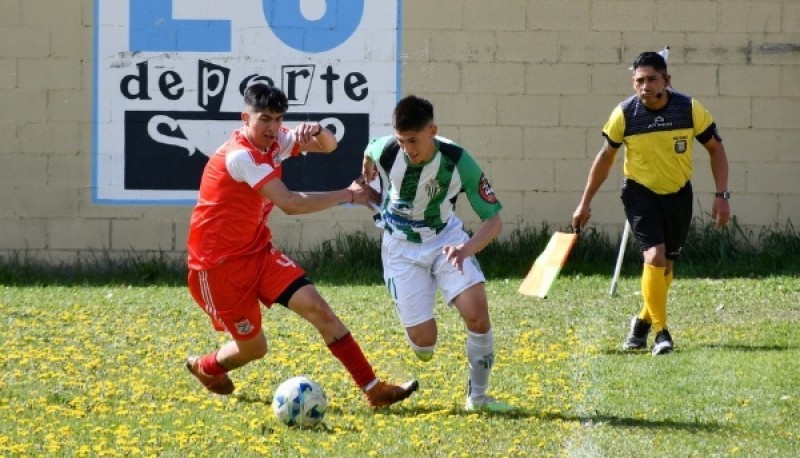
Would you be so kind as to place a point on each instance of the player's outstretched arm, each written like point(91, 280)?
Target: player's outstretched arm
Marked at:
point(298, 203)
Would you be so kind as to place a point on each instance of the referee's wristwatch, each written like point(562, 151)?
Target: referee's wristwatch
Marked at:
point(723, 194)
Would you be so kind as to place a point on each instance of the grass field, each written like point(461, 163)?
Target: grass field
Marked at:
point(98, 371)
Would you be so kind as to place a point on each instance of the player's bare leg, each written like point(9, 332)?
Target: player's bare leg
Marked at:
point(308, 303)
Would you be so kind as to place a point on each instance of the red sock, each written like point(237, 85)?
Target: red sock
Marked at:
point(349, 353)
point(210, 366)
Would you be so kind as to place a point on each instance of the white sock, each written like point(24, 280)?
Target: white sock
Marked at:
point(480, 355)
point(369, 385)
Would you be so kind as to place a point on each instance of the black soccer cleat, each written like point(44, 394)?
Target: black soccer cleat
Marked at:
point(637, 337)
point(663, 344)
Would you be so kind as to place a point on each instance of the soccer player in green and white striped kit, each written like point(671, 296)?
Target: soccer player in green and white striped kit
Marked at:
point(424, 245)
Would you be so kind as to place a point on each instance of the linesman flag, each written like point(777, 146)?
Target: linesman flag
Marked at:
point(547, 266)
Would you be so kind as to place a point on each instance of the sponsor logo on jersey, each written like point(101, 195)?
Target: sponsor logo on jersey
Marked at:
point(402, 208)
point(485, 190)
point(659, 123)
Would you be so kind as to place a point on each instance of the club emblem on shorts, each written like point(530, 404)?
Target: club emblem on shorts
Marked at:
point(681, 145)
point(485, 190)
point(243, 327)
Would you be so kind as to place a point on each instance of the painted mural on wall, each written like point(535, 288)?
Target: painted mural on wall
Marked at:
point(170, 74)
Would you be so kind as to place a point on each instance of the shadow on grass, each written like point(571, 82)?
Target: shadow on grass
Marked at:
point(747, 348)
point(243, 397)
point(697, 348)
point(621, 352)
point(585, 420)
point(596, 419)
point(613, 420)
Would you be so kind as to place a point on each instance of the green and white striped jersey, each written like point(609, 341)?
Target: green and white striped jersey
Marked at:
point(418, 200)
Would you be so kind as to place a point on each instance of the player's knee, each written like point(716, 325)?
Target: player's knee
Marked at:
point(479, 324)
point(326, 316)
point(320, 314)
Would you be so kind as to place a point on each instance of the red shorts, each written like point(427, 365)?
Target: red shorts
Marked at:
point(230, 293)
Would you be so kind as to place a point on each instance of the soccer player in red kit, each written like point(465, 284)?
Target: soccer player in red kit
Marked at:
point(233, 265)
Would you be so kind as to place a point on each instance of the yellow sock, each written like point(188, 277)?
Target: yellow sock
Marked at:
point(644, 315)
point(654, 293)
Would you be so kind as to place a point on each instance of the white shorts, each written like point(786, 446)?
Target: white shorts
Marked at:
point(413, 272)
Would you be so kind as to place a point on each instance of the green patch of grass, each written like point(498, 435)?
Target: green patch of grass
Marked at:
point(109, 381)
point(97, 371)
point(93, 353)
point(729, 389)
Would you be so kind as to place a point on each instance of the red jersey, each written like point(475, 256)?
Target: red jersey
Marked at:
point(230, 218)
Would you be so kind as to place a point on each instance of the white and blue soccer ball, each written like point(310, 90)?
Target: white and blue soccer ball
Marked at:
point(300, 401)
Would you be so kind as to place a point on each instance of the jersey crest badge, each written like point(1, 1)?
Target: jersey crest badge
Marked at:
point(432, 188)
point(681, 145)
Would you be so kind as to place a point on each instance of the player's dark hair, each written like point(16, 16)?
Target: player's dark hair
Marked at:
point(412, 113)
point(260, 97)
point(651, 59)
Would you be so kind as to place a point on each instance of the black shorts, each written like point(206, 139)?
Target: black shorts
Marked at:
point(658, 218)
point(287, 294)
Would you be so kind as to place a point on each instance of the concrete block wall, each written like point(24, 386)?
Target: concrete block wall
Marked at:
point(537, 137)
point(526, 85)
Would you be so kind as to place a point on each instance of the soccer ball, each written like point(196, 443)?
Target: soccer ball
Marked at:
point(300, 401)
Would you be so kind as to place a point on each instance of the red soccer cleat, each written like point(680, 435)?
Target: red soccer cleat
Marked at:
point(384, 394)
point(219, 384)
